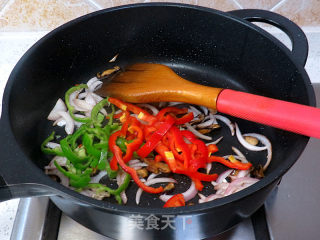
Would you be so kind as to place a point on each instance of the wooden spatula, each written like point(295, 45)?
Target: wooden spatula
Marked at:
point(146, 82)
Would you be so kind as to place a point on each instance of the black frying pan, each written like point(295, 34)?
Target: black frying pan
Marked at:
point(200, 44)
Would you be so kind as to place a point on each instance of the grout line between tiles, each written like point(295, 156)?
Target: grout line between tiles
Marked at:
point(238, 4)
point(94, 4)
point(277, 5)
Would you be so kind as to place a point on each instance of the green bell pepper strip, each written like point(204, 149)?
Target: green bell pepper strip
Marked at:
point(103, 145)
point(70, 107)
point(70, 154)
point(76, 180)
point(104, 164)
point(80, 167)
point(76, 135)
point(115, 192)
point(95, 110)
point(103, 159)
point(54, 151)
point(87, 141)
point(121, 142)
point(111, 115)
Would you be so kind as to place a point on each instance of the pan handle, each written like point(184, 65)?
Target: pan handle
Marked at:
point(294, 32)
point(18, 176)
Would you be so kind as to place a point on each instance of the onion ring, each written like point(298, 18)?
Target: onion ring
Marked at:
point(188, 195)
point(245, 143)
point(198, 134)
point(268, 145)
point(153, 181)
point(226, 121)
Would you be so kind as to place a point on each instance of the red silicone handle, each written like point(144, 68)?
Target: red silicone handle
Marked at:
point(288, 116)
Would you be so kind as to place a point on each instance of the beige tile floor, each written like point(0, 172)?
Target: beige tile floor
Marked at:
point(44, 15)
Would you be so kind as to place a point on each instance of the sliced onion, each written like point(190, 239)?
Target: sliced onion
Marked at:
point(194, 110)
point(208, 167)
point(268, 145)
point(123, 196)
point(133, 161)
point(69, 122)
point(152, 175)
point(207, 123)
point(82, 105)
point(90, 99)
point(96, 97)
point(52, 145)
point(138, 165)
point(58, 107)
point(216, 141)
point(205, 110)
point(94, 194)
point(245, 143)
point(73, 96)
point(243, 173)
point(223, 176)
point(239, 184)
point(120, 179)
point(92, 80)
point(198, 134)
point(98, 177)
point(83, 95)
point(210, 198)
point(59, 122)
point(63, 179)
point(240, 154)
point(226, 121)
point(150, 182)
point(153, 109)
point(235, 156)
point(191, 192)
point(221, 187)
point(62, 161)
point(188, 195)
point(201, 196)
point(94, 86)
point(174, 103)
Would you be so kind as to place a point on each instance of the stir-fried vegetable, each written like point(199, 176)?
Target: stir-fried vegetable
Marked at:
point(132, 142)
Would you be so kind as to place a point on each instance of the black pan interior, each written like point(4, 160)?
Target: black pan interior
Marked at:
point(203, 46)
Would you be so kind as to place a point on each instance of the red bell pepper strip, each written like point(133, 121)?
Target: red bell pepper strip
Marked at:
point(161, 114)
point(142, 114)
point(112, 142)
point(133, 146)
point(198, 175)
point(164, 152)
point(198, 184)
point(178, 142)
point(199, 153)
point(188, 135)
point(234, 163)
point(156, 137)
point(118, 155)
point(175, 201)
point(212, 148)
point(184, 119)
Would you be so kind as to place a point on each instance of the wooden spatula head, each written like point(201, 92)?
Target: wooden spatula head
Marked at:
point(147, 82)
